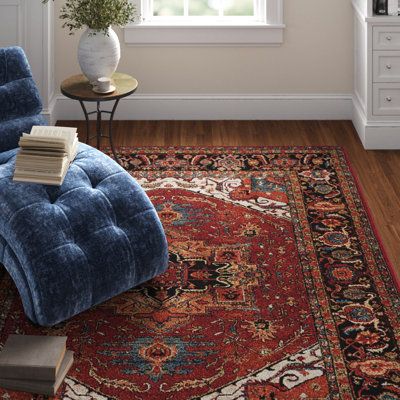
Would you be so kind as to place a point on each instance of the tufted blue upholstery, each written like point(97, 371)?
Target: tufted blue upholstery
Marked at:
point(68, 248)
point(20, 103)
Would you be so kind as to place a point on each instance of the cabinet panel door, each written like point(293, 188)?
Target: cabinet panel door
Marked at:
point(386, 38)
point(386, 99)
point(386, 67)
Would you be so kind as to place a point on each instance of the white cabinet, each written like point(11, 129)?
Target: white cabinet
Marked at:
point(376, 97)
point(385, 37)
point(386, 99)
point(386, 66)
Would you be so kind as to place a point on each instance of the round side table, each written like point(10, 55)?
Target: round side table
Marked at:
point(77, 87)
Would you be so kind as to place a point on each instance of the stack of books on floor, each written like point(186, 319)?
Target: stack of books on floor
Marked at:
point(45, 154)
point(34, 364)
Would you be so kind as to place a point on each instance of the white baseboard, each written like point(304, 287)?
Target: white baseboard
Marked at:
point(375, 136)
point(219, 106)
point(382, 135)
point(50, 112)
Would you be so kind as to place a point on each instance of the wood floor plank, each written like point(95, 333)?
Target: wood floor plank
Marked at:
point(378, 171)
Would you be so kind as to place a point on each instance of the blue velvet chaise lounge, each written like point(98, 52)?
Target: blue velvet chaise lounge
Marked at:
point(68, 248)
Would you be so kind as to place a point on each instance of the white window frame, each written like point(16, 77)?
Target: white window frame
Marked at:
point(267, 29)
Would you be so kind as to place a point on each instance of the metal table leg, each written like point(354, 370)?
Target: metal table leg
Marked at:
point(87, 120)
point(110, 131)
point(98, 126)
point(99, 131)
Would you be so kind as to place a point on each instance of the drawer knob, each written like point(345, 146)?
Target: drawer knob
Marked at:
point(388, 66)
point(388, 37)
point(388, 99)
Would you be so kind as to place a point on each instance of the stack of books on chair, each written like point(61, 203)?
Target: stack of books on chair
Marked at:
point(34, 364)
point(45, 154)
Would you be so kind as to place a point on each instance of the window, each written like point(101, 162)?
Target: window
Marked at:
point(205, 11)
point(207, 22)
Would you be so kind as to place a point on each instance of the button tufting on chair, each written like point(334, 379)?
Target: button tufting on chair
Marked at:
point(68, 248)
point(71, 246)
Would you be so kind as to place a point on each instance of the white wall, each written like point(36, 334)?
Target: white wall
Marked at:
point(315, 58)
point(29, 24)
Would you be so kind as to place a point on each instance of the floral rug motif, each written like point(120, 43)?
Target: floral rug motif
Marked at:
point(277, 288)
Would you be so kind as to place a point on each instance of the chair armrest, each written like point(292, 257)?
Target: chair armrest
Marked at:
point(19, 99)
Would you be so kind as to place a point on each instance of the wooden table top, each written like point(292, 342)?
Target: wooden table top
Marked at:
point(77, 87)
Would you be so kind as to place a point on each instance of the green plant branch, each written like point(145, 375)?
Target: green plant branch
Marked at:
point(98, 15)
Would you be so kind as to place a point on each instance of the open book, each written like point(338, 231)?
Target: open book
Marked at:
point(45, 154)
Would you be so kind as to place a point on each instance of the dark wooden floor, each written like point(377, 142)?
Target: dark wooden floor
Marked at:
point(378, 171)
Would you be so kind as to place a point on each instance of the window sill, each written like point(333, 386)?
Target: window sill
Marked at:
point(255, 34)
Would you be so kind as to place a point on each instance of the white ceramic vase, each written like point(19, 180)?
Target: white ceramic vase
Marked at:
point(98, 54)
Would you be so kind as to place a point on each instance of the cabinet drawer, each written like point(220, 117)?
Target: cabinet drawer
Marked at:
point(386, 66)
point(386, 99)
point(386, 38)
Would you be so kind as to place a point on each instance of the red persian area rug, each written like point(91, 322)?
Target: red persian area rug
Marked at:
point(277, 288)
